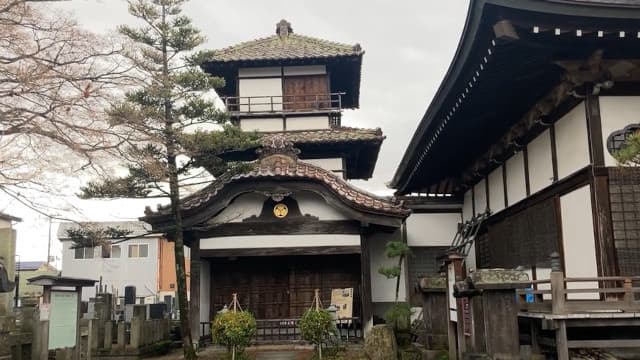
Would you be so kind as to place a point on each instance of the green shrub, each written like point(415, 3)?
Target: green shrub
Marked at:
point(316, 325)
point(233, 329)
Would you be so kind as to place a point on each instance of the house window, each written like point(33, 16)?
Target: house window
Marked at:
point(84, 253)
point(616, 140)
point(138, 250)
point(115, 251)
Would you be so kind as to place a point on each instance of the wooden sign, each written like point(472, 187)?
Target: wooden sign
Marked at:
point(343, 300)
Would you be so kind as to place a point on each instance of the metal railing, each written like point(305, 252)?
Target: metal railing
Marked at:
point(270, 331)
point(284, 103)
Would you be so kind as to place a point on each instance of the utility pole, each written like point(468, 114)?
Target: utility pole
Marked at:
point(49, 244)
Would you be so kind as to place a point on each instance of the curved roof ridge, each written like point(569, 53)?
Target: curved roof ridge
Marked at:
point(277, 167)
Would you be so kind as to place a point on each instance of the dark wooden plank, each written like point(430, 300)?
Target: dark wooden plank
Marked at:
point(594, 125)
point(194, 288)
point(282, 227)
point(365, 282)
point(282, 251)
point(595, 344)
point(525, 156)
point(605, 245)
point(554, 152)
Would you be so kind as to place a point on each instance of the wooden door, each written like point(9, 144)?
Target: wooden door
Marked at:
point(282, 287)
point(306, 93)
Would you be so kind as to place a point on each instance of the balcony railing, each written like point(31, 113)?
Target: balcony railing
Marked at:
point(240, 105)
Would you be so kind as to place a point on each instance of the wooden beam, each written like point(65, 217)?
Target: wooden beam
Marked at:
point(591, 344)
point(194, 290)
point(365, 281)
point(605, 244)
point(281, 227)
point(594, 125)
point(280, 251)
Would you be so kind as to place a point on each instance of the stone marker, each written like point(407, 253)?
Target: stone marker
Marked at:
point(380, 344)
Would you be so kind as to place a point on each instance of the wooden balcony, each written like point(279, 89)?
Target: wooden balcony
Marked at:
point(281, 104)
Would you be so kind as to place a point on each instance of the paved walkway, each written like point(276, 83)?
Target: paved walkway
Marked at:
point(277, 355)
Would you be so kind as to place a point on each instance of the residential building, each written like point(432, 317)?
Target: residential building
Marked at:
point(30, 294)
point(144, 260)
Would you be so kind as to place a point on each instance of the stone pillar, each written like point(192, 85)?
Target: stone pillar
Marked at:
point(495, 311)
point(434, 311)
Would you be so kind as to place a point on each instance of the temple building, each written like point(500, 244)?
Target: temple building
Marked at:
point(521, 135)
point(293, 223)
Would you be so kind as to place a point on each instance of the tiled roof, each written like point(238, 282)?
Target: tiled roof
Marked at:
point(284, 45)
point(335, 135)
point(282, 164)
point(137, 228)
point(29, 265)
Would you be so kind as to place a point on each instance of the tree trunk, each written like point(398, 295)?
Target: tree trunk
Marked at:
point(174, 195)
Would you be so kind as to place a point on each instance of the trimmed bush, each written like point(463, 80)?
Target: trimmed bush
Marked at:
point(316, 325)
point(233, 329)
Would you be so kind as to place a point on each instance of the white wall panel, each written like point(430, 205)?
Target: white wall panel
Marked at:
point(516, 185)
point(383, 289)
point(572, 142)
point(432, 229)
point(278, 241)
point(578, 238)
point(260, 71)
point(260, 91)
point(616, 112)
point(262, 124)
point(307, 122)
point(331, 164)
point(480, 196)
point(305, 70)
point(467, 206)
point(205, 294)
point(496, 190)
point(540, 162)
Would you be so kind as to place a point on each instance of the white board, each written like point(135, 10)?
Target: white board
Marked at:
point(63, 319)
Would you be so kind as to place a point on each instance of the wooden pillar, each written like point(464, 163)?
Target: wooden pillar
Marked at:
point(194, 302)
point(78, 348)
point(603, 225)
point(365, 280)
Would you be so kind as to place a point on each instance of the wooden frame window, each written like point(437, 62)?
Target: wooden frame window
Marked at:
point(138, 250)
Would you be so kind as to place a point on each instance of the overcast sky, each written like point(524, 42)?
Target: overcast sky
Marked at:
point(408, 47)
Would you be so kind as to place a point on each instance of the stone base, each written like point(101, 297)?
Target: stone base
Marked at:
point(380, 344)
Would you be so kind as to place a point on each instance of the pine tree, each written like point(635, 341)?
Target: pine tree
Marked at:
point(171, 99)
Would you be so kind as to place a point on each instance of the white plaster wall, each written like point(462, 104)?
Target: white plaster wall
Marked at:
point(118, 272)
point(250, 204)
point(305, 70)
point(278, 241)
point(242, 207)
point(307, 122)
point(578, 238)
point(572, 141)
point(496, 190)
point(313, 204)
point(432, 229)
point(616, 112)
point(480, 196)
point(383, 289)
point(262, 124)
point(260, 89)
point(260, 71)
point(516, 185)
point(467, 205)
point(205, 294)
point(331, 164)
point(540, 162)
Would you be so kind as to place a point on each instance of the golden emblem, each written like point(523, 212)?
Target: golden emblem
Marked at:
point(280, 210)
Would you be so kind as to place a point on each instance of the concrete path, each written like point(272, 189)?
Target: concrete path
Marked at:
point(276, 355)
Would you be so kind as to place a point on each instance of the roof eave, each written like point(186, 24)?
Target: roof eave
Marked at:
point(403, 176)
